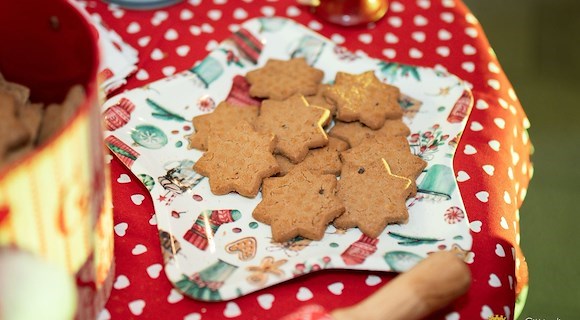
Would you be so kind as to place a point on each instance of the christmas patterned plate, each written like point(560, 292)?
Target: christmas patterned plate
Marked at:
point(212, 247)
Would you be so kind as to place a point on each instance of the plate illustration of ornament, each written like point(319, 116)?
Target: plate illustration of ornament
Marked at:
point(149, 136)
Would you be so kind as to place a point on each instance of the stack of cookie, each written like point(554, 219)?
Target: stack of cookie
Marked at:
point(283, 147)
point(25, 125)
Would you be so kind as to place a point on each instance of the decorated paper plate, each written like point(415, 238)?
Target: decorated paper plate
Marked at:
point(212, 247)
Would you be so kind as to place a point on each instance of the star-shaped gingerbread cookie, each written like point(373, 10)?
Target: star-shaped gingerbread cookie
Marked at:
point(395, 150)
point(373, 197)
point(297, 126)
point(355, 132)
point(279, 79)
point(302, 203)
point(225, 116)
point(238, 160)
point(365, 98)
point(325, 160)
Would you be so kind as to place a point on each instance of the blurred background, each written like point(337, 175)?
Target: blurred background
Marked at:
point(538, 45)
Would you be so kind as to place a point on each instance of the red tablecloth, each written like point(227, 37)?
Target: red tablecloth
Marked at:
point(492, 162)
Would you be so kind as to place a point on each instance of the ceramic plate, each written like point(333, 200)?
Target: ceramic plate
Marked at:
point(213, 249)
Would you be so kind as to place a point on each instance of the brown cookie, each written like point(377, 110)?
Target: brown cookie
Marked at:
point(18, 91)
point(297, 126)
point(373, 197)
point(320, 101)
point(323, 160)
point(365, 98)
point(395, 150)
point(13, 132)
point(238, 160)
point(355, 132)
point(302, 203)
point(225, 116)
point(280, 79)
point(56, 115)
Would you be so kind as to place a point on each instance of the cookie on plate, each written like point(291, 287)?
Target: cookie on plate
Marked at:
point(297, 126)
point(225, 116)
point(373, 197)
point(355, 132)
point(324, 160)
point(238, 160)
point(395, 150)
point(280, 79)
point(365, 98)
point(302, 203)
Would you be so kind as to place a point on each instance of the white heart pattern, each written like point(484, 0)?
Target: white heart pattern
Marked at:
point(154, 270)
point(185, 14)
point(137, 199)
point(475, 226)
point(419, 36)
point(499, 122)
point(507, 198)
point(447, 17)
point(137, 306)
point(452, 316)
point(469, 150)
point(171, 35)
point(503, 223)
point(174, 296)
point(494, 145)
point(121, 282)
point(444, 35)
point(304, 294)
point(486, 312)
point(292, 11)
point(482, 196)
point(494, 281)
point(443, 51)
point(420, 21)
point(469, 50)
point(397, 7)
point(462, 176)
point(499, 251)
point(156, 54)
point(144, 41)
point(489, 169)
point(336, 288)
point(472, 32)
point(481, 105)
point(415, 53)
point(391, 38)
point(121, 229)
point(192, 316)
point(389, 53)
point(494, 84)
point(468, 66)
point(183, 50)
point(266, 300)
point(365, 38)
point(476, 126)
point(153, 220)
point(232, 310)
point(240, 14)
point(214, 14)
point(139, 249)
point(396, 22)
point(372, 280)
point(133, 27)
point(168, 70)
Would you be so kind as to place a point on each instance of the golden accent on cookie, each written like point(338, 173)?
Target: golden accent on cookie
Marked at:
point(324, 160)
point(238, 160)
point(373, 197)
point(365, 98)
point(224, 116)
point(245, 248)
point(320, 101)
point(395, 150)
point(297, 126)
point(301, 203)
point(280, 79)
point(355, 132)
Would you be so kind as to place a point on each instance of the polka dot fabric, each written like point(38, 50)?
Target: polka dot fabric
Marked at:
point(492, 163)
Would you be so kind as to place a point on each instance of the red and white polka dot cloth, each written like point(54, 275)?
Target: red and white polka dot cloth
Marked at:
point(492, 163)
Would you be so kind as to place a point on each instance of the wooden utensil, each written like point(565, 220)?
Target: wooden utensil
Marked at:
point(429, 286)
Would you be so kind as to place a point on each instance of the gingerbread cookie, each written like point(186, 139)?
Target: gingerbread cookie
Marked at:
point(18, 91)
point(373, 197)
point(222, 118)
point(238, 160)
point(395, 150)
point(13, 133)
point(355, 132)
point(56, 115)
point(324, 160)
point(365, 98)
point(301, 203)
point(280, 79)
point(297, 126)
point(320, 101)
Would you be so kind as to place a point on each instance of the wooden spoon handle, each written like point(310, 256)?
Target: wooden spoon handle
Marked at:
point(429, 286)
